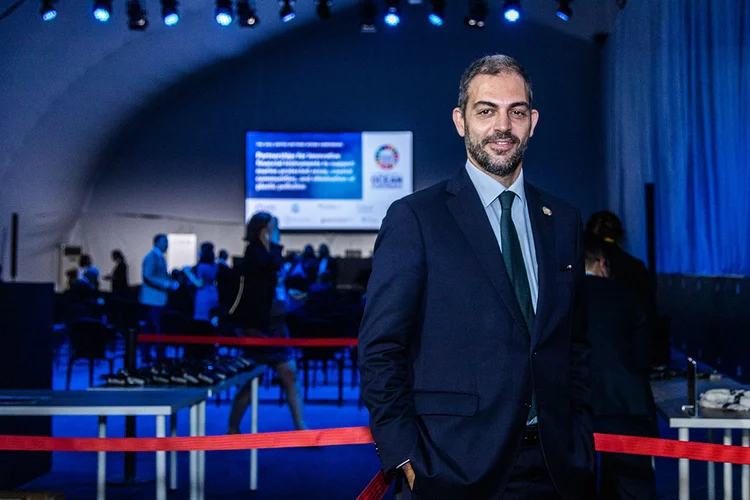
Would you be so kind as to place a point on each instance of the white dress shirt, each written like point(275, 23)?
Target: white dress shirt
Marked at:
point(489, 191)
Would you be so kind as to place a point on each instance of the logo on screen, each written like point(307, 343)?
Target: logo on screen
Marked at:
point(386, 156)
point(387, 181)
point(295, 208)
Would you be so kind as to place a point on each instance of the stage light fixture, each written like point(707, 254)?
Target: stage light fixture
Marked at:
point(323, 8)
point(137, 20)
point(169, 13)
point(48, 11)
point(512, 10)
point(563, 10)
point(287, 10)
point(102, 10)
point(369, 13)
point(437, 16)
point(224, 12)
point(246, 14)
point(392, 14)
point(477, 14)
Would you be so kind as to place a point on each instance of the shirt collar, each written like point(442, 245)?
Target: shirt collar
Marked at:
point(158, 251)
point(489, 189)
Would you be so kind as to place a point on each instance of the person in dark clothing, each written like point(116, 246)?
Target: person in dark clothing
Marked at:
point(620, 366)
point(119, 276)
point(628, 271)
point(328, 268)
point(258, 313)
point(226, 281)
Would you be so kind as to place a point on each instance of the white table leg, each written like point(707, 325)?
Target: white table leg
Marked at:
point(683, 434)
point(728, 468)
point(161, 460)
point(254, 430)
point(101, 463)
point(711, 472)
point(173, 454)
point(202, 453)
point(194, 454)
point(746, 468)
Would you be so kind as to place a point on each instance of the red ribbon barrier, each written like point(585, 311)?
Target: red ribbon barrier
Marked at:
point(246, 341)
point(265, 440)
point(349, 436)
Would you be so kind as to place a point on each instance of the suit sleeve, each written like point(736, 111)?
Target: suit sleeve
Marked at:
point(151, 276)
point(394, 295)
point(580, 349)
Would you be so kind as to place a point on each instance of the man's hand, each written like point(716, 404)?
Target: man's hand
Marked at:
point(409, 473)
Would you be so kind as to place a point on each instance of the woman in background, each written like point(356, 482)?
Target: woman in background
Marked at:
point(258, 313)
point(204, 279)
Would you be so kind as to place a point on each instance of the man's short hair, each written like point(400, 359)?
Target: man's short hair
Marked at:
point(158, 237)
point(223, 254)
point(497, 64)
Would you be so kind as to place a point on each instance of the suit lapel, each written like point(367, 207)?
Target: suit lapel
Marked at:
point(543, 228)
point(466, 207)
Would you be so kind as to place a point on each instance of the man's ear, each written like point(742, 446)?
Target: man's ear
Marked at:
point(458, 121)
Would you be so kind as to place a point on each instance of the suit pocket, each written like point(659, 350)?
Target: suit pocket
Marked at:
point(460, 404)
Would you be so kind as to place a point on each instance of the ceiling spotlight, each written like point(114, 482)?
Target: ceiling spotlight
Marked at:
point(102, 10)
point(287, 10)
point(437, 17)
point(477, 14)
point(564, 11)
point(323, 8)
point(137, 20)
point(369, 13)
point(392, 15)
point(512, 10)
point(48, 11)
point(246, 14)
point(169, 13)
point(224, 12)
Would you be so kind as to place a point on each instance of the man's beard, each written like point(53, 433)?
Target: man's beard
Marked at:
point(500, 166)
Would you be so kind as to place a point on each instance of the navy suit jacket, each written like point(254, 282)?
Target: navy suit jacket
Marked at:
point(447, 363)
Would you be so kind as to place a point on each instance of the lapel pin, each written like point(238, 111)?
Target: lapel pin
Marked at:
point(546, 211)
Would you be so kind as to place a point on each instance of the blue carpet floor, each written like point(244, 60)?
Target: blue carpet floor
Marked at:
point(330, 473)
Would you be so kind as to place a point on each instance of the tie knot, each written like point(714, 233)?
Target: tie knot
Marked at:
point(506, 199)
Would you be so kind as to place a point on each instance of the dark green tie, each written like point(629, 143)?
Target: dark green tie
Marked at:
point(516, 269)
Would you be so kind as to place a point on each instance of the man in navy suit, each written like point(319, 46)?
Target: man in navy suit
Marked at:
point(473, 348)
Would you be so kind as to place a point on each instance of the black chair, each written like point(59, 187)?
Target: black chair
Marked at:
point(311, 356)
point(88, 341)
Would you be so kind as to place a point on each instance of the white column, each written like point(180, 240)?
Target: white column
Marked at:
point(101, 463)
point(161, 460)
point(202, 453)
point(173, 454)
point(194, 454)
point(254, 430)
point(746, 468)
point(711, 472)
point(728, 467)
point(683, 465)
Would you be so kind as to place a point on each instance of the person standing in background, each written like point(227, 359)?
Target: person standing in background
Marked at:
point(119, 276)
point(257, 312)
point(620, 375)
point(155, 288)
point(204, 279)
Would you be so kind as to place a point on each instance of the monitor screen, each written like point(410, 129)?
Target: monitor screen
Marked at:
point(327, 181)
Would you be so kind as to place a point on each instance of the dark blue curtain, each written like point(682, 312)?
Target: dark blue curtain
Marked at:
point(678, 114)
